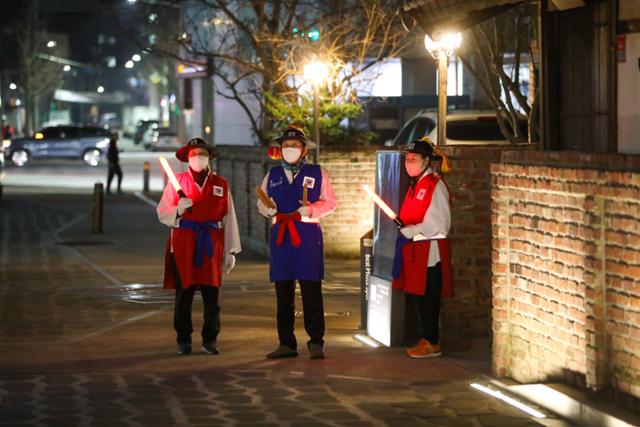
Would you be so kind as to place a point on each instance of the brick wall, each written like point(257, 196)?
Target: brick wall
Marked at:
point(466, 319)
point(566, 269)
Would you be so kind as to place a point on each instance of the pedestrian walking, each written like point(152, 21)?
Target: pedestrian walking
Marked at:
point(422, 262)
point(299, 194)
point(113, 157)
point(203, 241)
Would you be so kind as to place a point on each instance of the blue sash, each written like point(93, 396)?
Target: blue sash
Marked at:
point(401, 241)
point(203, 238)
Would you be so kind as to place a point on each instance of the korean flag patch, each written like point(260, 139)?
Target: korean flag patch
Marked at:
point(421, 194)
point(308, 182)
point(218, 191)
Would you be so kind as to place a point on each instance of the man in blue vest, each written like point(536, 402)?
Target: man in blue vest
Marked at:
point(296, 249)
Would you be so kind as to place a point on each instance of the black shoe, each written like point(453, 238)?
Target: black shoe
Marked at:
point(210, 348)
point(184, 348)
point(281, 352)
point(316, 351)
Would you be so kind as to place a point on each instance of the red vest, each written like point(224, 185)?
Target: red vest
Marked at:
point(210, 204)
point(415, 255)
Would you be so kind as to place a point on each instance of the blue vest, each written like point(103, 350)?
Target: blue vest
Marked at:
point(287, 262)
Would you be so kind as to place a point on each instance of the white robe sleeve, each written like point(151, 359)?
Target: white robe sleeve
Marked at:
point(327, 201)
point(167, 209)
point(231, 231)
point(437, 220)
point(261, 207)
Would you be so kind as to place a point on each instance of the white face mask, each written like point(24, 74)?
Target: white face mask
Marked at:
point(414, 169)
point(291, 155)
point(199, 163)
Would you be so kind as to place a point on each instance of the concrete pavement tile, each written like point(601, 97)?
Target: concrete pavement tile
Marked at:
point(108, 413)
point(189, 394)
point(504, 421)
point(17, 399)
point(505, 410)
point(337, 416)
point(377, 410)
point(19, 387)
point(466, 407)
point(250, 374)
point(302, 421)
point(17, 414)
point(271, 392)
point(403, 421)
point(422, 410)
point(255, 383)
point(234, 399)
point(61, 421)
point(315, 398)
point(61, 402)
point(153, 420)
point(246, 417)
point(456, 421)
point(200, 411)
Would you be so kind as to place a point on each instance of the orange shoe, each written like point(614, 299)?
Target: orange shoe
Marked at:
point(424, 349)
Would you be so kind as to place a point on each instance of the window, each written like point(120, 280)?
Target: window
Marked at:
point(51, 133)
point(423, 127)
point(405, 134)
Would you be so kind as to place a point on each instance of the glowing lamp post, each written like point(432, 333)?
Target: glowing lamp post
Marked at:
point(316, 72)
point(441, 47)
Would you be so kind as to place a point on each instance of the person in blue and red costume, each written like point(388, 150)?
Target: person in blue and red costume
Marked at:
point(422, 263)
point(296, 249)
point(203, 242)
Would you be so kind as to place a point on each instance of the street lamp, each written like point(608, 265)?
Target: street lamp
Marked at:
point(316, 72)
point(441, 47)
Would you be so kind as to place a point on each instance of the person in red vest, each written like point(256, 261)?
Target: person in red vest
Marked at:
point(422, 262)
point(203, 241)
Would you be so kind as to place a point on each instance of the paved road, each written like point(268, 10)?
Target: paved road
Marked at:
point(86, 339)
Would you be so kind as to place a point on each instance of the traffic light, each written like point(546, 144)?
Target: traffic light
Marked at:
point(313, 34)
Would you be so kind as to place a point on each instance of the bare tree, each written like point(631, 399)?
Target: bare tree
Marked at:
point(260, 46)
point(39, 76)
point(501, 44)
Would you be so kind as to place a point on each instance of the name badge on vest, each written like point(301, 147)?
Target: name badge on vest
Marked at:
point(218, 191)
point(421, 194)
point(309, 182)
point(276, 183)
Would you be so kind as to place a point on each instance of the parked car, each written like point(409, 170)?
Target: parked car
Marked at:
point(161, 139)
point(141, 129)
point(86, 143)
point(463, 128)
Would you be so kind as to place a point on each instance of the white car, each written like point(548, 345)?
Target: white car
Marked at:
point(463, 128)
point(161, 139)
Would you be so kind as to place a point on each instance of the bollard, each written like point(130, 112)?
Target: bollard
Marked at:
point(146, 168)
point(98, 193)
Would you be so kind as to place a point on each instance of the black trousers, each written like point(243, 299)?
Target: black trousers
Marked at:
point(114, 169)
point(428, 305)
point(182, 311)
point(312, 306)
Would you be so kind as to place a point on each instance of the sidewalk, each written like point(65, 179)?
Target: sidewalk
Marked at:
point(87, 338)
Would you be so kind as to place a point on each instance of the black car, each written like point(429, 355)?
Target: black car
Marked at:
point(87, 143)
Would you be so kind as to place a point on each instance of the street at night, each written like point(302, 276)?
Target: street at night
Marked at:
point(320, 213)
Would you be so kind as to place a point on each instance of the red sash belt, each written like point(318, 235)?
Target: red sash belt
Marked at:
point(287, 222)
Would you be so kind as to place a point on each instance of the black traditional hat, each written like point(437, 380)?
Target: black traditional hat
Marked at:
point(296, 134)
point(422, 146)
point(183, 153)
